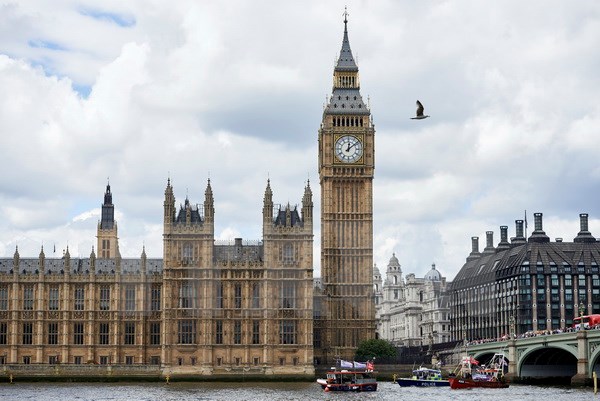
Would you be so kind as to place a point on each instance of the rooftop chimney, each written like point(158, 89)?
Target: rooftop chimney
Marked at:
point(538, 235)
point(503, 244)
point(584, 235)
point(519, 238)
point(474, 249)
point(489, 242)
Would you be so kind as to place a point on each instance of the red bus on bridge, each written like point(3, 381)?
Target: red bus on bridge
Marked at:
point(586, 322)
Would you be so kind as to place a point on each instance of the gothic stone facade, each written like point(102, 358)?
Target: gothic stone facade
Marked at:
point(205, 308)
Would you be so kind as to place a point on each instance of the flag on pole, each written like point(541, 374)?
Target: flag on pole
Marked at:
point(345, 364)
point(370, 366)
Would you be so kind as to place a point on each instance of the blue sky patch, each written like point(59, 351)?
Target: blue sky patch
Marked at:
point(122, 20)
point(83, 90)
point(45, 44)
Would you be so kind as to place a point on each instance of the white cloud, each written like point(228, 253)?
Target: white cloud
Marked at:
point(234, 91)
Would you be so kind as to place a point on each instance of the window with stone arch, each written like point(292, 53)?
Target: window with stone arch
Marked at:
point(288, 253)
point(187, 253)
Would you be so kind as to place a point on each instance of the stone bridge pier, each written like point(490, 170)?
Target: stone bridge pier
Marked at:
point(583, 351)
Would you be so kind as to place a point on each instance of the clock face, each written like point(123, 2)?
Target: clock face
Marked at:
point(348, 149)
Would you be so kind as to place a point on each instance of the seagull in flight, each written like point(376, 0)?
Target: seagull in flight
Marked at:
point(419, 115)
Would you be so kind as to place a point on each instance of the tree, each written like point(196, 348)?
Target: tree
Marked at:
point(375, 348)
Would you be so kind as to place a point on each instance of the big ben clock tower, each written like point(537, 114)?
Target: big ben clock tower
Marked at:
point(346, 167)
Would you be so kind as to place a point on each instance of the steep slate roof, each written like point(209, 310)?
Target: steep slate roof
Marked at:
point(346, 100)
point(510, 262)
point(281, 218)
point(346, 60)
point(195, 216)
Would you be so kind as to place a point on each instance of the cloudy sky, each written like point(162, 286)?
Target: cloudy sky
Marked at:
point(137, 92)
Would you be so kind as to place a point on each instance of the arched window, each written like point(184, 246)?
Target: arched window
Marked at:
point(288, 253)
point(187, 253)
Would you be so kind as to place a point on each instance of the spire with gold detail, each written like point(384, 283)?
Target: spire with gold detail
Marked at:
point(346, 98)
point(346, 61)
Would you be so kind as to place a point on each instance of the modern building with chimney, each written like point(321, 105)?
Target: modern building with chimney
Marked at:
point(525, 284)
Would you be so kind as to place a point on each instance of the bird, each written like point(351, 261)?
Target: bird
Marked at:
point(419, 115)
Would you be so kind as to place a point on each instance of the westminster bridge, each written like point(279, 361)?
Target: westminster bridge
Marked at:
point(564, 357)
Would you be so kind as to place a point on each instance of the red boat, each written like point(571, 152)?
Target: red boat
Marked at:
point(471, 375)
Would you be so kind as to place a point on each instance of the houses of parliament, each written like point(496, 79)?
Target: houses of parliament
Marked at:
point(210, 307)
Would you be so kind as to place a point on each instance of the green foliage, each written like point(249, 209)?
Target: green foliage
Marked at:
point(375, 348)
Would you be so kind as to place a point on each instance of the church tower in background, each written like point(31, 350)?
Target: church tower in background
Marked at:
point(346, 168)
point(108, 246)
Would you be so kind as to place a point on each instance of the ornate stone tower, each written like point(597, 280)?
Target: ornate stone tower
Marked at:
point(346, 168)
point(188, 238)
point(288, 278)
point(108, 245)
point(237, 307)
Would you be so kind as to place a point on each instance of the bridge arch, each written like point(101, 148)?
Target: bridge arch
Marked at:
point(594, 362)
point(555, 362)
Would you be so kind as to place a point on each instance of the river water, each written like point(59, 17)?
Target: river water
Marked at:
point(272, 392)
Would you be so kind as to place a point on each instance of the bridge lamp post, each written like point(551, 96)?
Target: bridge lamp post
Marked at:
point(512, 326)
point(465, 334)
point(581, 309)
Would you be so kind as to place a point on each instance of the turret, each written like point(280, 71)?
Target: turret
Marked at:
point(268, 206)
point(209, 205)
point(67, 261)
point(107, 220)
point(307, 205)
point(107, 228)
point(143, 259)
point(169, 205)
point(42, 258)
point(16, 259)
point(92, 262)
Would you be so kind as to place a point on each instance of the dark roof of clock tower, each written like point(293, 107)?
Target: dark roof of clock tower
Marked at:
point(346, 99)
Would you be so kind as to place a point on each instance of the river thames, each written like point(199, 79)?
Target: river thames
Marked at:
point(271, 392)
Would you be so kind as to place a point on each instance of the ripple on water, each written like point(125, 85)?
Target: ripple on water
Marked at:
point(270, 392)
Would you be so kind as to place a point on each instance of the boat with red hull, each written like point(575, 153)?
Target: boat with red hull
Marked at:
point(460, 383)
point(471, 375)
